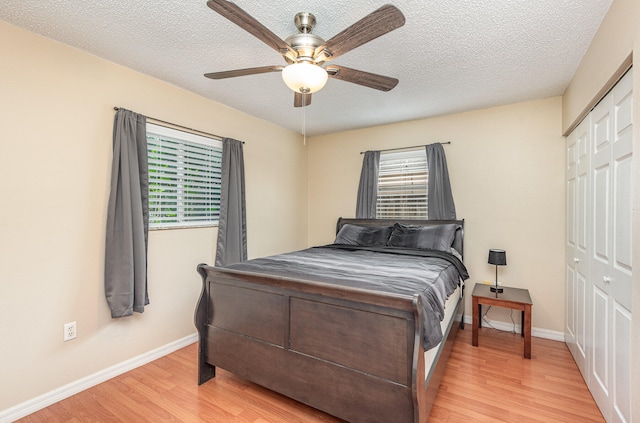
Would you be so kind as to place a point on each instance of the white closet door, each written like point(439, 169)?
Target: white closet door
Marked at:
point(577, 266)
point(601, 129)
point(621, 271)
point(610, 261)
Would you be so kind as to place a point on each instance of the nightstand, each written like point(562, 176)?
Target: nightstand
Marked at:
point(514, 298)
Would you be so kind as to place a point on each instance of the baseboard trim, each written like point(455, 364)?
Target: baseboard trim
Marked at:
point(509, 327)
point(24, 409)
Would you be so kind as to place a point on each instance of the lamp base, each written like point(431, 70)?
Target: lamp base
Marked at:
point(496, 289)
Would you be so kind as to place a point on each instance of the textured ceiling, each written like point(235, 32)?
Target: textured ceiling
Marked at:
point(450, 56)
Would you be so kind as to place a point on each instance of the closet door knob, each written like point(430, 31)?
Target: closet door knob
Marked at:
point(576, 260)
point(606, 279)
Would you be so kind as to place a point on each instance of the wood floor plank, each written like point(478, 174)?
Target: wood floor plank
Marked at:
point(490, 383)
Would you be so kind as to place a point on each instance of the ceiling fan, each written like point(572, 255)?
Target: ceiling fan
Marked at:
point(306, 53)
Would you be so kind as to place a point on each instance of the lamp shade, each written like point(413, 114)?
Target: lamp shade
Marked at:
point(498, 257)
point(304, 77)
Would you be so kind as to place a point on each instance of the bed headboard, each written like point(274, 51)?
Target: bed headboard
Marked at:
point(458, 241)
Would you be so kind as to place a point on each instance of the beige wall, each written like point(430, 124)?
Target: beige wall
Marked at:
point(618, 36)
point(507, 173)
point(56, 108)
point(612, 44)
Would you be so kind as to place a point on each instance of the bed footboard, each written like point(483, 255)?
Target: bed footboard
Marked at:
point(352, 353)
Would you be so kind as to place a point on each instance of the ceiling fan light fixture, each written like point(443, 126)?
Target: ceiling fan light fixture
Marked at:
point(304, 77)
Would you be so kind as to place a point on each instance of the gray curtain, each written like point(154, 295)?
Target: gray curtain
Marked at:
point(368, 188)
point(232, 229)
point(441, 205)
point(125, 273)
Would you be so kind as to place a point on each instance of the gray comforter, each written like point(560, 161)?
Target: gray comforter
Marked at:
point(434, 275)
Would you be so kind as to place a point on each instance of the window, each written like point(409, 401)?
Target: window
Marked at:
point(184, 178)
point(402, 185)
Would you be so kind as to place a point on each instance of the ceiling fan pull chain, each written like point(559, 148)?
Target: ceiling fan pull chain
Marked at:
point(304, 120)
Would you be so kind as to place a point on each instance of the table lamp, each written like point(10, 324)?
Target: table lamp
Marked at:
point(499, 258)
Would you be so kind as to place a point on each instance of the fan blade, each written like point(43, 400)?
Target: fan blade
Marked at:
point(243, 72)
point(245, 21)
point(385, 19)
point(301, 100)
point(367, 79)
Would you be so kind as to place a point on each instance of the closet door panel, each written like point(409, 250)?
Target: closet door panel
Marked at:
point(611, 269)
point(582, 196)
point(570, 246)
point(582, 300)
point(601, 208)
point(621, 395)
point(577, 232)
point(622, 193)
point(621, 270)
point(601, 257)
point(600, 352)
point(583, 240)
point(622, 215)
point(570, 329)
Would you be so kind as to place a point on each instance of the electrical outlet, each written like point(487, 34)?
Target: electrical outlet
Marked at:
point(70, 331)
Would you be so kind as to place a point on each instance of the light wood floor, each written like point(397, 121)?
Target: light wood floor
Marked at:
point(490, 383)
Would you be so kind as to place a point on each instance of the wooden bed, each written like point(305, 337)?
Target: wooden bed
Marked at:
point(354, 353)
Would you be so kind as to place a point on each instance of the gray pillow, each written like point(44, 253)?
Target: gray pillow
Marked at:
point(436, 237)
point(365, 236)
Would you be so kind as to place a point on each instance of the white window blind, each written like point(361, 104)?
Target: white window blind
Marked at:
point(184, 178)
point(402, 185)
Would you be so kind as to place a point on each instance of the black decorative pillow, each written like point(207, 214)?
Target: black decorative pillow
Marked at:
point(437, 237)
point(365, 236)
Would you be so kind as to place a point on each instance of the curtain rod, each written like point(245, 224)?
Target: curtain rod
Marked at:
point(217, 137)
point(406, 148)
